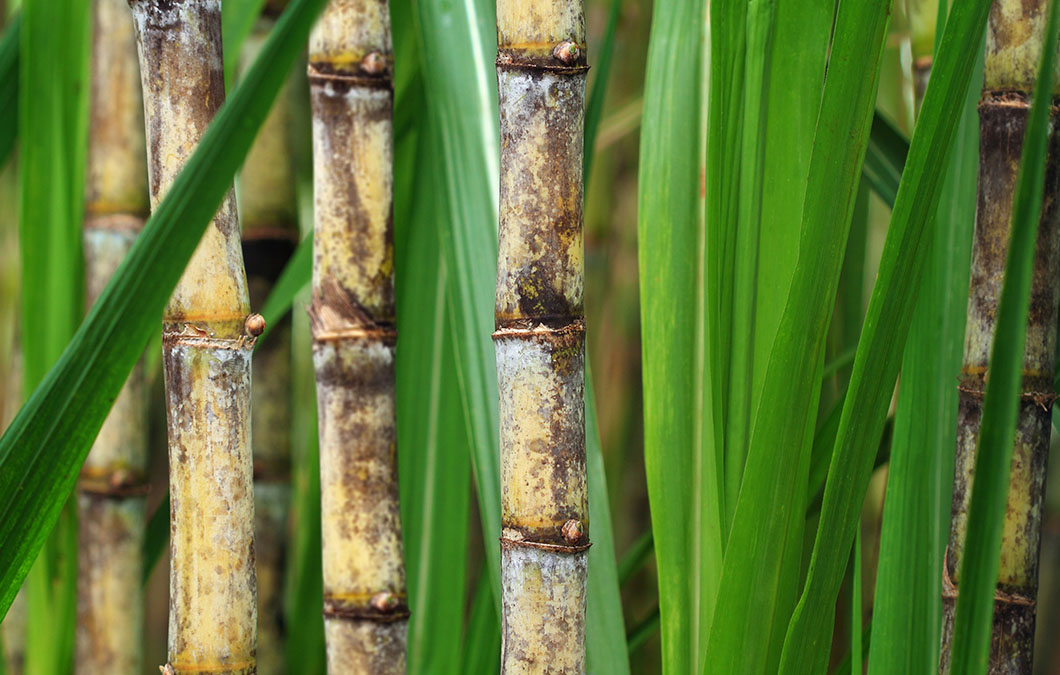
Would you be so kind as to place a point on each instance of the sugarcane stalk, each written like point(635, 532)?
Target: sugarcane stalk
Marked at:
point(112, 485)
point(353, 323)
point(540, 336)
point(207, 338)
point(269, 214)
point(1013, 50)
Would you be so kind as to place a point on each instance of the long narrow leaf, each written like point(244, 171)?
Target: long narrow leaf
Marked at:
point(766, 534)
point(883, 338)
point(685, 495)
point(605, 632)
point(594, 109)
point(907, 612)
point(432, 434)
point(993, 464)
point(42, 449)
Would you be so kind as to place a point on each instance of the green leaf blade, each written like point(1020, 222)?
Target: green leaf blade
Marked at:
point(882, 340)
point(907, 612)
point(670, 241)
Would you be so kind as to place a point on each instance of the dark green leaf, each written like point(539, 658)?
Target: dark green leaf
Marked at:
point(156, 538)
point(885, 158)
point(9, 69)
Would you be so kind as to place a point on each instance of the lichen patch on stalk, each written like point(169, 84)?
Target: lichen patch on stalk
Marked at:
point(540, 256)
point(183, 85)
point(1014, 46)
point(353, 252)
point(544, 597)
point(360, 516)
point(540, 336)
point(212, 582)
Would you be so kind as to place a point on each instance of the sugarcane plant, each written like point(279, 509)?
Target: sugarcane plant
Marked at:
point(207, 338)
point(1014, 39)
point(352, 317)
point(112, 484)
point(269, 217)
point(540, 335)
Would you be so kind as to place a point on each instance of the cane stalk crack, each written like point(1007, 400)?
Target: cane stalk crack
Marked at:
point(352, 317)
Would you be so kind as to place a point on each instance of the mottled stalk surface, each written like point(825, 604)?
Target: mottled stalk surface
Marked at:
point(207, 337)
point(540, 336)
point(353, 323)
point(269, 215)
point(112, 484)
point(1013, 50)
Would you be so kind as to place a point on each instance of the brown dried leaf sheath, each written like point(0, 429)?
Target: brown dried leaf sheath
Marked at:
point(206, 359)
point(353, 316)
point(111, 485)
point(1013, 51)
point(540, 338)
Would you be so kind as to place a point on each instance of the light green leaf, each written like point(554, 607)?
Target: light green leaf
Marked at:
point(461, 101)
point(683, 471)
point(53, 126)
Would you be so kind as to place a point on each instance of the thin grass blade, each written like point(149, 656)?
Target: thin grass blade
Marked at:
point(432, 435)
point(461, 98)
point(605, 631)
point(883, 339)
point(594, 108)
